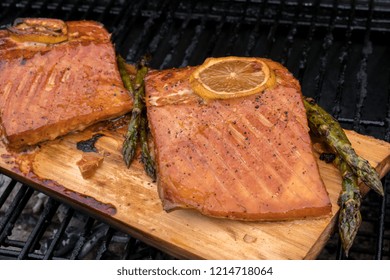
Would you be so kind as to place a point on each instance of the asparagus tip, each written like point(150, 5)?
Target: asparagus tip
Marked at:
point(350, 220)
point(378, 188)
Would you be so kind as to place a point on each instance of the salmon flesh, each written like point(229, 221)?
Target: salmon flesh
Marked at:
point(246, 158)
point(50, 89)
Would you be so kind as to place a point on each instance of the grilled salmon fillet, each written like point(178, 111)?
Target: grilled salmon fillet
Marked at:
point(246, 158)
point(50, 89)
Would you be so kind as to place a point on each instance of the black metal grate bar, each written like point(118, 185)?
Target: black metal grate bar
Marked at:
point(291, 35)
point(326, 44)
point(6, 193)
point(139, 42)
point(106, 11)
point(42, 10)
point(126, 19)
point(344, 58)
point(387, 118)
point(212, 44)
point(237, 30)
point(308, 43)
point(381, 227)
point(362, 75)
point(60, 232)
point(104, 244)
point(271, 38)
point(130, 249)
point(39, 229)
point(379, 23)
point(198, 31)
point(167, 32)
point(13, 211)
point(83, 238)
point(253, 36)
point(8, 8)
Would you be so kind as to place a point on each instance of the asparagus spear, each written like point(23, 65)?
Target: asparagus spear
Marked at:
point(349, 201)
point(132, 135)
point(124, 74)
point(138, 123)
point(326, 126)
point(146, 158)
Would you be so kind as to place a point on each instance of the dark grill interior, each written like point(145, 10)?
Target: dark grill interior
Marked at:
point(337, 49)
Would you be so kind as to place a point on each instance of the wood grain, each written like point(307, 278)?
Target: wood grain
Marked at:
point(126, 198)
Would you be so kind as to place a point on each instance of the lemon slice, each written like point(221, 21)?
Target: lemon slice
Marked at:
point(229, 77)
point(39, 30)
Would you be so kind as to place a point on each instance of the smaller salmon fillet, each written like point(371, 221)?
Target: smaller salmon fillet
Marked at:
point(49, 90)
point(246, 158)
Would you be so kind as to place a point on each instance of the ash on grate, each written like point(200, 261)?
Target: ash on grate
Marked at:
point(28, 218)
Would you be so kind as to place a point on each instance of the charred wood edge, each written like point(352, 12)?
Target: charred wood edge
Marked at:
point(88, 145)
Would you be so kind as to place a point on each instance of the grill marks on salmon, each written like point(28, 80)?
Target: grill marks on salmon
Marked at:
point(246, 158)
point(49, 90)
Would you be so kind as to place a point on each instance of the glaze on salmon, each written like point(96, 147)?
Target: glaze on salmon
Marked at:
point(246, 158)
point(49, 90)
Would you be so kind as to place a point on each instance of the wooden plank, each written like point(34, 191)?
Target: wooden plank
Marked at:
point(128, 199)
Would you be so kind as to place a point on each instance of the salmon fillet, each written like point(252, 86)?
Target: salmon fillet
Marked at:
point(49, 90)
point(246, 158)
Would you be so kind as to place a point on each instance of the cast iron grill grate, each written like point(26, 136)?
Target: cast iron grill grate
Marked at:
point(34, 226)
point(337, 49)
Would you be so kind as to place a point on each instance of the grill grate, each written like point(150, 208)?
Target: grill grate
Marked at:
point(59, 232)
point(337, 49)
